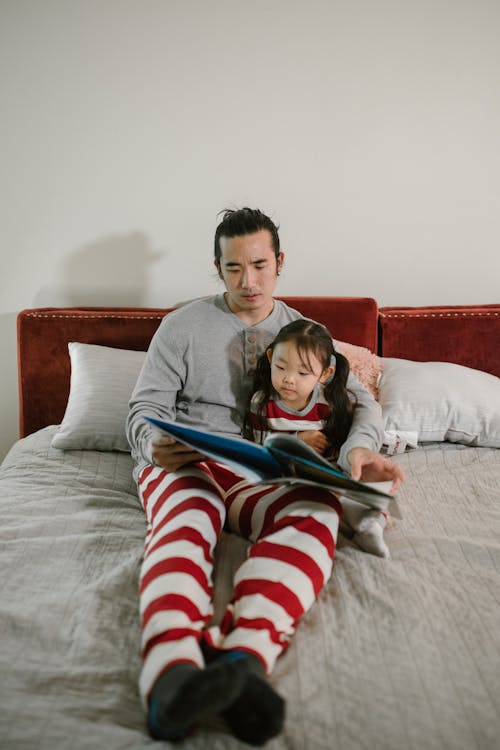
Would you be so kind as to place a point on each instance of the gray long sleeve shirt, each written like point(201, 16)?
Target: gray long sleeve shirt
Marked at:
point(199, 371)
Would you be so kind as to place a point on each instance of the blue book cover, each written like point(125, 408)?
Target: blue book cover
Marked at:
point(282, 459)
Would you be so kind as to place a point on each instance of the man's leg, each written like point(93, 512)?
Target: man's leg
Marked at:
point(294, 532)
point(185, 514)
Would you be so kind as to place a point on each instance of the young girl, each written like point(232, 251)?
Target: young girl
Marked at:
point(300, 388)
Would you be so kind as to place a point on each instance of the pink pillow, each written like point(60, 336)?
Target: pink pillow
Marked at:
point(363, 363)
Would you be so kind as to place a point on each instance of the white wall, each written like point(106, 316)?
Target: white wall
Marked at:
point(369, 130)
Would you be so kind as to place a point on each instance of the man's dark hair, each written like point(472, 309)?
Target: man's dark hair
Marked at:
point(240, 221)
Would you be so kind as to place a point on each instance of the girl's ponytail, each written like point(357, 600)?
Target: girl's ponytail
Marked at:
point(339, 420)
point(260, 394)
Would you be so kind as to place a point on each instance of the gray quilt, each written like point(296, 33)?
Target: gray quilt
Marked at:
point(399, 653)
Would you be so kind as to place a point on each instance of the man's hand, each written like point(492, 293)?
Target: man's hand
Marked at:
point(170, 455)
point(315, 439)
point(370, 466)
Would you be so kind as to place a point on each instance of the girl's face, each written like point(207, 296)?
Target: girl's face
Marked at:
point(292, 377)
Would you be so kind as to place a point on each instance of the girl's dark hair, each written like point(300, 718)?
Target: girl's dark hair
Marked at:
point(241, 221)
point(309, 338)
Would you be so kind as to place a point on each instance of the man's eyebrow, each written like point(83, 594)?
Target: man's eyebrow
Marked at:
point(253, 262)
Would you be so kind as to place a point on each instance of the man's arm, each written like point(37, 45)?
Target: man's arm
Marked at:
point(374, 467)
point(171, 455)
point(155, 394)
point(360, 453)
point(367, 430)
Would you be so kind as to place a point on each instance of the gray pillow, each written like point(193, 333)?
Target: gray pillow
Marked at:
point(102, 381)
point(441, 401)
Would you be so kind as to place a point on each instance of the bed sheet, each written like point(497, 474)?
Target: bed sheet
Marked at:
point(399, 653)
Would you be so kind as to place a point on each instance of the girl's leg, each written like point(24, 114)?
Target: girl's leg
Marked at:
point(365, 526)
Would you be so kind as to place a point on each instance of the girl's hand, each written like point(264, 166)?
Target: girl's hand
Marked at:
point(315, 439)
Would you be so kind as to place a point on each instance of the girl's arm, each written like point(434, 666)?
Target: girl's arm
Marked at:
point(315, 439)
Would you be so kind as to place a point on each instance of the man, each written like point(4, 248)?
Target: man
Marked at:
point(199, 371)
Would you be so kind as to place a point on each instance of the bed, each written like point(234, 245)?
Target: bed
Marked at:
point(397, 653)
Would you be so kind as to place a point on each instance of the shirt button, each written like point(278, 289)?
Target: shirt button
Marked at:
point(251, 338)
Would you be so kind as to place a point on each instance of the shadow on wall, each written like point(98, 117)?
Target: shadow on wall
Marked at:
point(110, 272)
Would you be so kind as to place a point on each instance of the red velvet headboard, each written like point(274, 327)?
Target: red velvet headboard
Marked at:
point(464, 334)
point(43, 336)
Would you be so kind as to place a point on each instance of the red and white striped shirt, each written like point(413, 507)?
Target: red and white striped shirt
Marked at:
point(276, 417)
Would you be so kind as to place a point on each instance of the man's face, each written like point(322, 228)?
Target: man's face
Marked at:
point(249, 268)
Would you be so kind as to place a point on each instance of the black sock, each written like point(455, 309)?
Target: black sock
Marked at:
point(161, 724)
point(184, 695)
point(258, 712)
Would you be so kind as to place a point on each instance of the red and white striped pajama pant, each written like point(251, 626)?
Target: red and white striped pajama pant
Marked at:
point(294, 533)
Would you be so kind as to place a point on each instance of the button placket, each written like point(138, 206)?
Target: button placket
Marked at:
point(250, 350)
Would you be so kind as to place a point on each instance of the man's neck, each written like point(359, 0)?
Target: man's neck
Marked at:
point(251, 317)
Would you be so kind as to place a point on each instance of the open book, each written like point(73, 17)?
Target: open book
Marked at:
point(283, 459)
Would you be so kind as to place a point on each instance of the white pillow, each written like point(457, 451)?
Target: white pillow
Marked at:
point(102, 381)
point(441, 401)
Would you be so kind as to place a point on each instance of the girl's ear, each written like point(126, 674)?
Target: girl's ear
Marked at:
point(269, 353)
point(327, 373)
